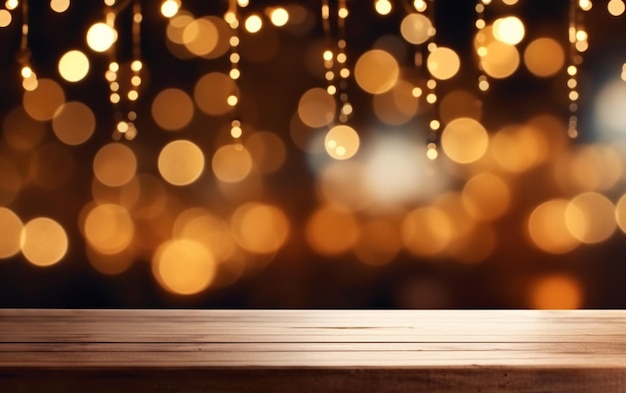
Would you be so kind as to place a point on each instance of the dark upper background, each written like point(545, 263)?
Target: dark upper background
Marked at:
point(299, 277)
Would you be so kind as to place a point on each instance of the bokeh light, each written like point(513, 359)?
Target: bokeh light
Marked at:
point(231, 163)
point(556, 291)
point(590, 217)
point(416, 28)
point(21, 131)
point(43, 102)
point(59, 6)
point(101, 36)
point(172, 109)
point(212, 91)
point(181, 162)
point(74, 123)
point(443, 63)
point(509, 30)
point(486, 196)
point(253, 23)
point(342, 142)
point(260, 228)
point(207, 228)
point(317, 108)
point(500, 60)
point(43, 241)
point(115, 164)
point(330, 231)
point(544, 57)
point(548, 229)
point(11, 226)
point(460, 103)
point(464, 140)
point(5, 18)
point(398, 105)
point(108, 228)
point(279, 16)
point(376, 71)
point(184, 266)
point(427, 231)
point(73, 66)
point(200, 36)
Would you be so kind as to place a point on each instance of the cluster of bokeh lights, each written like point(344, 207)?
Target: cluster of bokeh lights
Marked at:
point(378, 196)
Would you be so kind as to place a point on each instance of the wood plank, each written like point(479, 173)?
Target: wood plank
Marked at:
point(313, 350)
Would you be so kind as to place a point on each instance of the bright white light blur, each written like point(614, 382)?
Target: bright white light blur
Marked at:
point(397, 171)
point(509, 30)
point(383, 7)
point(169, 8)
point(279, 16)
point(100, 37)
point(609, 113)
point(254, 23)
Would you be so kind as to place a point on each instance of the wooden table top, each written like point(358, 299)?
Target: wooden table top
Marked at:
point(585, 347)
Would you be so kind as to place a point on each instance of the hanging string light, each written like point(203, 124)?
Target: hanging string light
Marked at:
point(578, 39)
point(431, 84)
point(29, 77)
point(232, 18)
point(480, 41)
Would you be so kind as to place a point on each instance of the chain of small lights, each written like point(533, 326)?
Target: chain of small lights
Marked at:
point(431, 84)
point(480, 23)
point(335, 59)
point(29, 77)
point(232, 18)
point(578, 39)
point(125, 122)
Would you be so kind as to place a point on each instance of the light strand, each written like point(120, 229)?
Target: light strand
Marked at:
point(232, 18)
point(578, 39)
point(434, 124)
point(481, 39)
point(345, 110)
point(29, 77)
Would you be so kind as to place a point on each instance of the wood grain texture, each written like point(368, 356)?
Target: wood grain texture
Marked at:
point(312, 350)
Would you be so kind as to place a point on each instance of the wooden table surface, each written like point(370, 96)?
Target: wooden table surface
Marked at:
point(312, 350)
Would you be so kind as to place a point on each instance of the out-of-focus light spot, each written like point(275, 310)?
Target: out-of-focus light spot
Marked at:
point(342, 185)
point(231, 163)
point(616, 7)
point(620, 213)
point(59, 6)
point(420, 5)
point(556, 291)
point(331, 232)
point(181, 162)
point(376, 71)
point(317, 108)
point(589, 168)
point(510, 2)
point(260, 228)
point(383, 7)
point(200, 36)
point(144, 196)
point(11, 4)
point(509, 30)
point(443, 63)
point(398, 105)
point(111, 264)
point(74, 123)
point(5, 18)
point(10, 181)
point(43, 102)
point(279, 16)
point(115, 164)
point(52, 166)
point(379, 242)
point(585, 5)
point(11, 233)
point(460, 103)
point(486, 196)
point(544, 57)
point(43, 241)
point(519, 148)
point(184, 266)
point(212, 91)
point(609, 113)
point(342, 142)
point(500, 60)
point(205, 227)
point(396, 171)
point(464, 140)
point(416, 28)
point(590, 217)
point(108, 228)
point(267, 150)
point(253, 23)
point(169, 8)
point(548, 230)
point(22, 132)
point(426, 231)
point(73, 66)
point(100, 37)
point(172, 109)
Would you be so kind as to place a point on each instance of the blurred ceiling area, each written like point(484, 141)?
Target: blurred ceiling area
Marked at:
point(313, 154)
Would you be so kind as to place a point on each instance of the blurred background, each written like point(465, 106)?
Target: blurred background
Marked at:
point(313, 154)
